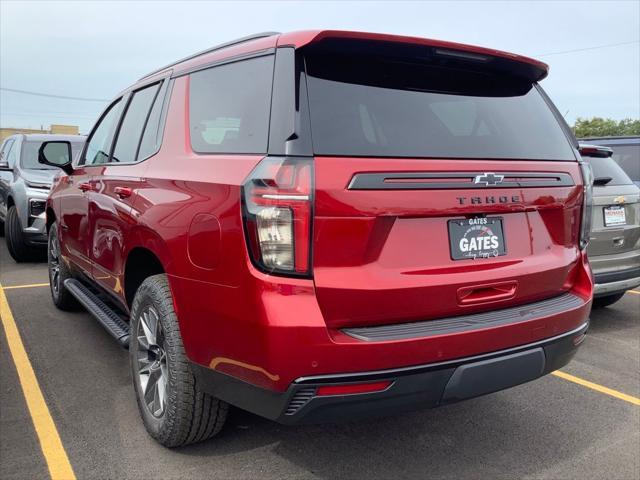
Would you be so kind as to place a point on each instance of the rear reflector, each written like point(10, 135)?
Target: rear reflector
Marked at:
point(353, 389)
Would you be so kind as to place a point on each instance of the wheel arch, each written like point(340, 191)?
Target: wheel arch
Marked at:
point(148, 255)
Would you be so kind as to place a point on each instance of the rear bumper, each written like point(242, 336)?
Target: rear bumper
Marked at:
point(411, 388)
point(614, 282)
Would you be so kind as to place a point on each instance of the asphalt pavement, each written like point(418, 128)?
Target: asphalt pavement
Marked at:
point(551, 428)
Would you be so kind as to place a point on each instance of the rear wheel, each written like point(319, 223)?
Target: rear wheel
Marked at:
point(173, 408)
point(16, 242)
point(607, 300)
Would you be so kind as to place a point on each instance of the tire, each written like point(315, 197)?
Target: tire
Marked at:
point(59, 272)
point(607, 300)
point(18, 249)
point(184, 414)
point(1, 229)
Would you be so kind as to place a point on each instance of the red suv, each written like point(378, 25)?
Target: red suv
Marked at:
point(326, 225)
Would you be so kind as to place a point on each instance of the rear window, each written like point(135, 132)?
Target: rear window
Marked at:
point(628, 157)
point(607, 168)
point(401, 107)
point(229, 107)
point(29, 155)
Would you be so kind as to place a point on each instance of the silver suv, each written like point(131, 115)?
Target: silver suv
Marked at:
point(24, 187)
point(614, 246)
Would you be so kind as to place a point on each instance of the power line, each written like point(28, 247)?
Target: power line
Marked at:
point(587, 48)
point(50, 95)
point(48, 114)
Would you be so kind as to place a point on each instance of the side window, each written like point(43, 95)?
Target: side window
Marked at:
point(133, 124)
point(229, 107)
point(151, 136)
point(4, 153)
point(99, 144)
point(12, 154)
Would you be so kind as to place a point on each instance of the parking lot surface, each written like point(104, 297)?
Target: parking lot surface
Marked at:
point(551, 428)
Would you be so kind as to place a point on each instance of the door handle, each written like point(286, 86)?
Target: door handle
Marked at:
point(85, 186)
point(487, 293)
point(123, 192)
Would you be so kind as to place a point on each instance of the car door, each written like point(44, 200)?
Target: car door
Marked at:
point(115, 188)
point(6, 175)
point(74, 229)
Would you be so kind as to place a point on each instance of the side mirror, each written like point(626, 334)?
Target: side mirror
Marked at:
point(4, 165)
point(56, 154)
point(594, 151)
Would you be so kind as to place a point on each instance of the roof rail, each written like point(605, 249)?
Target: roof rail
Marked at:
point(213, 49)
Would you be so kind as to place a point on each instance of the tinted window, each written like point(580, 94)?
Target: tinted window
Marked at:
point(604, 168)
point(100, 142)
point(150, 138)
point(29, 155)
point(628, 157)
point(229, 107)
point(377, 106)
point(133, 123)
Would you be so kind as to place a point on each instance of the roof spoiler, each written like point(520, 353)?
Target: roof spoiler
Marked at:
point(524, 67)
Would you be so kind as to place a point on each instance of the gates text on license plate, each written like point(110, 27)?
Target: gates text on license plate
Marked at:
point(480, 237)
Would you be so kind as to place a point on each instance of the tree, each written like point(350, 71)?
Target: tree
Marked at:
point(605, 127)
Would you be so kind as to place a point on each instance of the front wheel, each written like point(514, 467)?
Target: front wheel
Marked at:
point(16, 241)
point(601, 302)
point(58, 273)
point(173, 408)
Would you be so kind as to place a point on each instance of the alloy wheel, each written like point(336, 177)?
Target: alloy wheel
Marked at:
point(54, 265)
point(151, 357)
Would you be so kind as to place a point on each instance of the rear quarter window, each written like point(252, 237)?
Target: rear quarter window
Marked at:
point(229, 107)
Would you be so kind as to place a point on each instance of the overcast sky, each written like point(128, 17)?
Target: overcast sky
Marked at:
point(95, 49)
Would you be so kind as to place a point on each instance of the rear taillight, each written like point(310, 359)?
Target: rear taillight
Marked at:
point(587, 204)
point(277, 209)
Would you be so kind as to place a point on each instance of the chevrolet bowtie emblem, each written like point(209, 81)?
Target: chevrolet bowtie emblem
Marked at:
point(620, 200)
point(489, 179)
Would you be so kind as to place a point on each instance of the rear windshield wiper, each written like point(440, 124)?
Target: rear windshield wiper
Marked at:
point(600, 181)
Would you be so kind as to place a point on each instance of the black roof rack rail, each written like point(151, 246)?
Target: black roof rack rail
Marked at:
point(213, 49)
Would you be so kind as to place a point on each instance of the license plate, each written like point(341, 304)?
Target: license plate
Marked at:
point(480, 237)
point(614, 215)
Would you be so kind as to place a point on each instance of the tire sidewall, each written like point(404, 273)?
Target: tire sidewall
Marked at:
point(147, 294)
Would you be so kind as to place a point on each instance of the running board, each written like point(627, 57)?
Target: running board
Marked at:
point(109, 319)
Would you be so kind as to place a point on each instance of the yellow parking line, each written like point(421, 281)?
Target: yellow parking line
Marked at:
point(633, 291)
point(597, 388)
point(50, 443)
point(31, 285)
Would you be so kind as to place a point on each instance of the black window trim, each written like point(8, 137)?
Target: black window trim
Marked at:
point(128, 99)
point(82, 158)
point(125, 96)
point(225, 61)
point(229, 60)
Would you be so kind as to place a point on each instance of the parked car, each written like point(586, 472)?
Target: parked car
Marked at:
point(24, 186)
point(626, 153)
point(326, 225)
point(614, 248)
